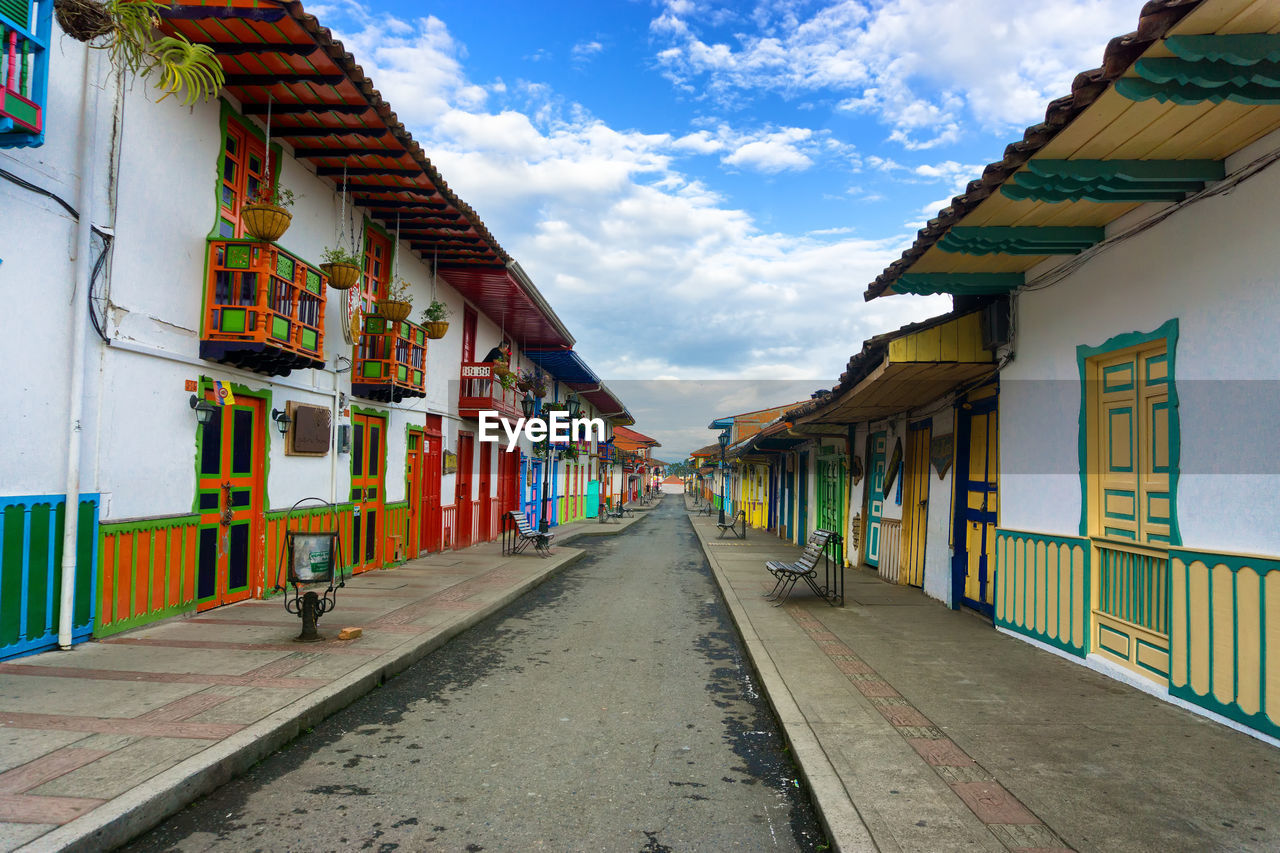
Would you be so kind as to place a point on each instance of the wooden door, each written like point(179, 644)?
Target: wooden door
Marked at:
point(413, 488)
point(485, 480)
point(915, 504)
point(368, 458)
point(462, 494)
point(803, 497)
point(977, 449)
point(468, 334)
point(232, 453)
point(432, 513)
point(875, 497)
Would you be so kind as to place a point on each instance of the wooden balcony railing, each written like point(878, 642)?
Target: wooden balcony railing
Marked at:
point(480, 391)
point(391, 361)
point(24, 71)
point(264, 308)
point(1133, 585)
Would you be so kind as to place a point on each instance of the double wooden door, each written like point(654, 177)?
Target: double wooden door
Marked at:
point(462, 495)
point(368, 456)
point(875, 496)
point(229, 558)
point(977, 499)
point(915, 504)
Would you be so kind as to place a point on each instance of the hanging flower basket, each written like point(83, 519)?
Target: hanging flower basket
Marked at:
point(437, 330)
point(266, 221)
point(83, 20)
point(342, 275)
point(524, 384)
point(393, 309)
point(500, 369)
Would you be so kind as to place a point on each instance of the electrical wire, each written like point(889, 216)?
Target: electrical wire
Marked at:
point(99, 323)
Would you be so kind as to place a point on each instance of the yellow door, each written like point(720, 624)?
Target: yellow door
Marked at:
point(915, 505)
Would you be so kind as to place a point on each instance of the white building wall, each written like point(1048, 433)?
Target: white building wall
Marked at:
point(937, 546)
point(1214, 266)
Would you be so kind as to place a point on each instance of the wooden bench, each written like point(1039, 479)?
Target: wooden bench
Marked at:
point(524, 535)
point(806, 569)
point(732, 526)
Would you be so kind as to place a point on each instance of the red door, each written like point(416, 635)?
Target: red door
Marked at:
point(432, 519)
point(413, 489)
point(486, 459)
point(468, 334)
point(462, 498)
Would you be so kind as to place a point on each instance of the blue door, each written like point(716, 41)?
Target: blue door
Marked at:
point(875, 498)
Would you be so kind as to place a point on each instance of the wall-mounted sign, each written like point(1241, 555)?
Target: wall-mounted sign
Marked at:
point(891, 473)
point(941, 451)
point(450, 462)
point(311, 557)
point(309, 430)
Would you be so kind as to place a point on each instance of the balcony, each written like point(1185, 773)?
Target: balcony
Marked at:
point(480, 391)
point(264, 308)
point(391, 361)
point(24, 71)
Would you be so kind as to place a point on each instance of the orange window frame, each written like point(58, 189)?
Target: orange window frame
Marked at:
point(243, 168)
point(376, 279)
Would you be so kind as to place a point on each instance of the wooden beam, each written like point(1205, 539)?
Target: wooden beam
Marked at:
point(306, 109)
point(1023, 240)
point(199, 11)
point(292, 77)
point(338, 171)
point(336, 151)
point(964, 283)
point(388, 204)
point(308, 132)
point(238, 48)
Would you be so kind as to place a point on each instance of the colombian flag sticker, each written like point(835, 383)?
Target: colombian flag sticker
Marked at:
point(222, 392)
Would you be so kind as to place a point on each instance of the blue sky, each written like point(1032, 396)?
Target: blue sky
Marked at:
point(703, 189)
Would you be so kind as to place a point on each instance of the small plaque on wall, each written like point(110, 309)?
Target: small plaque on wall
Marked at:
point(941, 452)
point(309, 430)
point(450, 462)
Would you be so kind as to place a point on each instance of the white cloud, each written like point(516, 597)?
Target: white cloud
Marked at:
point(653, 272)
point(920, 66)
point(585, 50)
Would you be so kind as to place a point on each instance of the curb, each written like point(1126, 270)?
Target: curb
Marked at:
point(836, 809)
point(129, 815)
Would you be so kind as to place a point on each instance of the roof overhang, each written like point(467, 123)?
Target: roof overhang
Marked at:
point(891, 388)
point(1192, 85)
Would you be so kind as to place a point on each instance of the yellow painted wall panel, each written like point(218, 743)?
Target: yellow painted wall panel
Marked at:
point(1019, 600)
point(1198, 638)
point(1224, 629)
point(949, 345)
point(1041, 587)
point(1248, 640)
point(1080, 606)
point(898, 349)
point(1271, 672)
point(1053, 575)
point(1178, 622)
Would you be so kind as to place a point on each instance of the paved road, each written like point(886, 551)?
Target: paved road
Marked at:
point(609, 709)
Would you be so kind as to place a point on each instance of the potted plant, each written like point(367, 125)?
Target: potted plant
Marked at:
point(397, 305)
point(342, 268)
point(266, 214)
point(506, 380)
point(533, 381)
point(435, 317)
point(129, 30)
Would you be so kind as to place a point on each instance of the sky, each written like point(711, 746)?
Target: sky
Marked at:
point(703, 189)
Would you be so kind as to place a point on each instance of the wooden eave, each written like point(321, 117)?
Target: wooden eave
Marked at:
point(1095, 122)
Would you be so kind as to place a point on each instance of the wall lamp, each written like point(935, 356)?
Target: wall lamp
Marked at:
point(204, 410)
point(283, 421)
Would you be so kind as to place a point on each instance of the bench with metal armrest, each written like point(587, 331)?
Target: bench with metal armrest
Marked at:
point(732, 526)
point(524, 535)
point(806, 569)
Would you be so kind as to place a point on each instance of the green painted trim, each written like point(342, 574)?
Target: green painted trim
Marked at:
point(1020, 240)
point(1133, 171)
point(1185, 94)
point(944, 282)
point(1235, 49)
point(1233, 562)
point(1068, 542)
point(1169, 332)
point(116, 528)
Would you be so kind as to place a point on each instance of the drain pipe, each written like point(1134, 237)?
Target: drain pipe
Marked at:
point(79, 329)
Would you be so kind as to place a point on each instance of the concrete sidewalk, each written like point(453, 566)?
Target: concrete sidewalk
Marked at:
point(922, 728)
point(100, 743)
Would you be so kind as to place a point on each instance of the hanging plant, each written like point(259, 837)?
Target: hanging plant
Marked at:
point(266, 214)
point(397, 305)
point(435, 318)
point(506, 380)
point(533, 381)
point(191, 71)
point(342, 268)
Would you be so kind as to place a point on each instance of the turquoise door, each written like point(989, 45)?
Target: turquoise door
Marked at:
point(875, 498)
point(592, 509)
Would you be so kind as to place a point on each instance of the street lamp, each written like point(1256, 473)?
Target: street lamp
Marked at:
point(204, 410)
point(724, 442)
